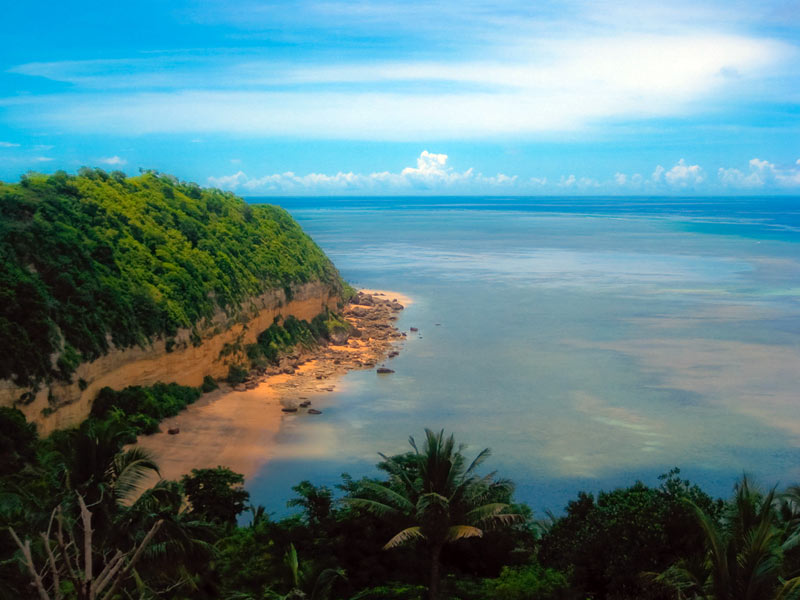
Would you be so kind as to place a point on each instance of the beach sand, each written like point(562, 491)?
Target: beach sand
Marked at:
point(237, 428)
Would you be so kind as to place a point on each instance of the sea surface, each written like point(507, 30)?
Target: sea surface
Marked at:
point(589, 342)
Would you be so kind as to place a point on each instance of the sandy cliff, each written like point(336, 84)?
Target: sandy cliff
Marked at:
point(62, 405)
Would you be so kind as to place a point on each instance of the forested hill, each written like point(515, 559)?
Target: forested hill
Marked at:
point(97, 259)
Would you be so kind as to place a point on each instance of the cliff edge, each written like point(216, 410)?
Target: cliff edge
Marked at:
point(113, 281)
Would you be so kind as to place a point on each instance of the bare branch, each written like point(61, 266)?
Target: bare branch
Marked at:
point(51, 557)
point(86, 518)
point(107, 574)
point(63, 547)
point(136, 555)
point(26, 553)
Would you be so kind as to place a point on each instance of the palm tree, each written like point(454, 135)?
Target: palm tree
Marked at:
point(744, 553)
point(442, 499)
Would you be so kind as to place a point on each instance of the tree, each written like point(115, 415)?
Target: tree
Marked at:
point(68, 560)
point(744, 552)
point(441, 499)
point(216, 495)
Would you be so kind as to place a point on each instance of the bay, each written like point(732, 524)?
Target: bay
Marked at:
point(589, 342)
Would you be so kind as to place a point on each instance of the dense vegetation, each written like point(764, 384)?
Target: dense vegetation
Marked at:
point(432, 518)
point(99, 259)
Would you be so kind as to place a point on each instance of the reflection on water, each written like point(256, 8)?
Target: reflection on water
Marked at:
point(587, 342)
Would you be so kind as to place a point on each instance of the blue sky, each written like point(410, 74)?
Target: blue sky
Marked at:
point(350, 97)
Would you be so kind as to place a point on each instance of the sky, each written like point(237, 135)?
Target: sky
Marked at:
point(331, 97)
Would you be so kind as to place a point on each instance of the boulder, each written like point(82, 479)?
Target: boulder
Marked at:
point(339, 337)
point(384, 371)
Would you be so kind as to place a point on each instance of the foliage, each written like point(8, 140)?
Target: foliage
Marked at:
point(283, 336)
point(600, 548)
point(442, 499)
point(744, 552)
point(531, 582)
point(142, 408)
point(209, 384)
point(216, 495)
point(609, 543)
point(92, 261)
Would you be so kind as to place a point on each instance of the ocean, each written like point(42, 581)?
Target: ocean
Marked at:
point(589, 342)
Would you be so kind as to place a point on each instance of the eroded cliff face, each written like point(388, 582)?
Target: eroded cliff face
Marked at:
point(222, 339)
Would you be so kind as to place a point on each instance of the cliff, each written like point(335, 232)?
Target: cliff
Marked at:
point(113, 281)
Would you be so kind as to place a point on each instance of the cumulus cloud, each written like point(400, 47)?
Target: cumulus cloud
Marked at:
point(432, 173)
point(113, 161)
point(761, 173)
point(679, 176)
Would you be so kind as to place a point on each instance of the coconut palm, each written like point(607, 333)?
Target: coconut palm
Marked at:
point(441, 498)
point(744, 553)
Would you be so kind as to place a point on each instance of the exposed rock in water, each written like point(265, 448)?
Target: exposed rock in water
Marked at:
point(289, 409)
point(413, 329)
point(384, 370)
point(314, 411)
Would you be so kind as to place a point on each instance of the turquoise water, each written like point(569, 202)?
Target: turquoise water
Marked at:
point(587, 342)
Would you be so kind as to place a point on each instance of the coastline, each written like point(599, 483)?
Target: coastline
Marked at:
point(236, 427)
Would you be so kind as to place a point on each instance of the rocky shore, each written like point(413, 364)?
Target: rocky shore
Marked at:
point(371, 340)
point(236, 427)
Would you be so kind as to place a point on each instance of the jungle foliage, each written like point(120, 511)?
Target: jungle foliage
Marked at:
point(200, 539)
point(98, 259)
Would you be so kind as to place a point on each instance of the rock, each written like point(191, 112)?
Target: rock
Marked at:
point(395, 305)
point(339, 337)
point(393, 353)
point(384, 371)
point(174, 430)
point(364, 299)
point(289, 409)
point(355, 333)
point(357, 311)
point(305, 404)
point(251, 385)
point(314, 411)
point(320, 376)
point(413, 329)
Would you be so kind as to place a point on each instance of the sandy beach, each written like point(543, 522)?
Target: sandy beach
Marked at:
point(237, 428)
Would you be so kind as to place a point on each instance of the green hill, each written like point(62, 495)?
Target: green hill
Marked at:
point(95, 260)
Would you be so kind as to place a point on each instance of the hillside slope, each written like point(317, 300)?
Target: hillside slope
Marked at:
point(96, 264)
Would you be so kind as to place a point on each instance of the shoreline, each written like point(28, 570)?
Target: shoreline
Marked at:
point(236, 427)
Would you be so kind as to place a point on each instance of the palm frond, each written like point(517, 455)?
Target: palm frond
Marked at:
point(407, 535)
point(482, 456)
point(324, 583)
point(377, 508)
point(790, 590)
point(128, 469)
point(458, 532)
point(388, 495)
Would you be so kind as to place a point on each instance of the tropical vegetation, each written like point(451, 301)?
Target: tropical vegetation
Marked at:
point(77, 523)
point(96, 260)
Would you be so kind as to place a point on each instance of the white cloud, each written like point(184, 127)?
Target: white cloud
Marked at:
point(532, 84)
point(681, 175)
point(761, 173)
point(8, 145)
point(114, 161)
point(432, 173)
